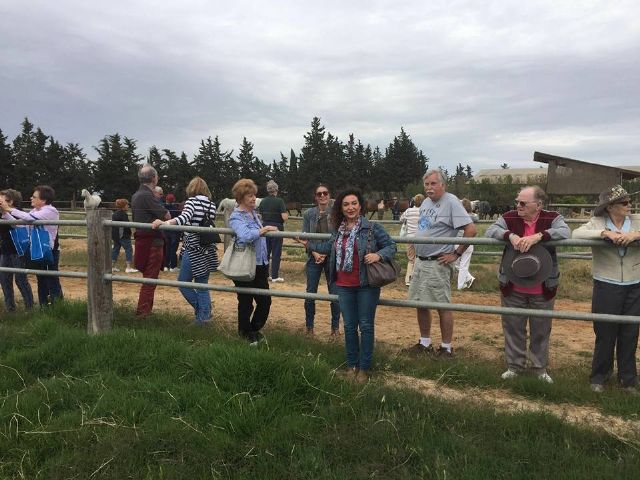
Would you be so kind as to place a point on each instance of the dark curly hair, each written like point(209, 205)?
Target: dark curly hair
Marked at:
point(336, 212)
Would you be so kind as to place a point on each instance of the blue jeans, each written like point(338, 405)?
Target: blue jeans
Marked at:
point(49, 288)
point(274, 250)
point(6, 280)
point(314, 272)
point(358, 306)
point(171, 240)
point(125, 243)
point(199, 299)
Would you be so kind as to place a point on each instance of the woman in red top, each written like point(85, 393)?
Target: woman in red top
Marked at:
point(349, 256)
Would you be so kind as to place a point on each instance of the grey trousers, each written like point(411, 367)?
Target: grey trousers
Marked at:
point(515, 333)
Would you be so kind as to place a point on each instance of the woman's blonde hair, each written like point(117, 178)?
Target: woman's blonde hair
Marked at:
point(197, 186)
point(243, 187)
point(418, 199)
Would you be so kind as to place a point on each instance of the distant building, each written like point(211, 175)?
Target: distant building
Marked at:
point(519, 176)
point(567, 176)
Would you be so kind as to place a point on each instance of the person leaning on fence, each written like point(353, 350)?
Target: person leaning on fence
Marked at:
point(198, 258)
point(465, 279)
point(249, 230)
point(441, 215)
point(318, 219)
point(410, 219)
point(616, 287)
point(49, 287)
point(274, 213)
point(528, 281)
point(149, 250)
point(171, 238)
point(356, 243)
point(9, 257)
point(121, 237)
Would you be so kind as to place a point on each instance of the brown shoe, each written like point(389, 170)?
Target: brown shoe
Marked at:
point(352, 374)
point(362, 376)
point(309, 331)
point(418, 350)
point(444, 352)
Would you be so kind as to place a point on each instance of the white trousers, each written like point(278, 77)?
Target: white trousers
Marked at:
point(464, 277)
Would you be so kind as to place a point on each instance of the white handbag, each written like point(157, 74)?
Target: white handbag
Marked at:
point(239, 263)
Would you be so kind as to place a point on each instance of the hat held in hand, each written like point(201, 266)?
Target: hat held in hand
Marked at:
point(527, 269)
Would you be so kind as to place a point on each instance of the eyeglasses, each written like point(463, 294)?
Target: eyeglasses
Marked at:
point(520, 203)
point(322, 194)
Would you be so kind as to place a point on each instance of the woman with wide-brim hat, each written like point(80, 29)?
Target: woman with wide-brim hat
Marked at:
point(616, 287)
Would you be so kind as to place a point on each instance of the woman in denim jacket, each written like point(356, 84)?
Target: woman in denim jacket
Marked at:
point(348, 257)
point(319, 220)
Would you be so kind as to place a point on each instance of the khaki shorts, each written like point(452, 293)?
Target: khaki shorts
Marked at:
point(430, 282)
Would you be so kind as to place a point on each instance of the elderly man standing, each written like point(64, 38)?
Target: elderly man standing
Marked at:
point(149, 251)
point(441, 215)
point(528, 278)
point(274, 213)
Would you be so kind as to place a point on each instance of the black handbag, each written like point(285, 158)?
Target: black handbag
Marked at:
point(383, 272)
point(208, 239)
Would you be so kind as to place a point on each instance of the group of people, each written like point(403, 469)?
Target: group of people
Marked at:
point(528, 274)
point(49, 288)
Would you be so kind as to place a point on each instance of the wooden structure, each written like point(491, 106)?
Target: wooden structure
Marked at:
point(567, 176)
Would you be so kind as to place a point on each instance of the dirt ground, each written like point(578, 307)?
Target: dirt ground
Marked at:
point(475, 334)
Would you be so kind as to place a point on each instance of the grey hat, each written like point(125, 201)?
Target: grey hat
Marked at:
point(609, 196)
point(527, 269)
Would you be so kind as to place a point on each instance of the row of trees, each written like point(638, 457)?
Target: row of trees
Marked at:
point(35, 157)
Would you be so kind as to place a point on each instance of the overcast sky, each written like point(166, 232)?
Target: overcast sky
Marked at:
point(481, 83)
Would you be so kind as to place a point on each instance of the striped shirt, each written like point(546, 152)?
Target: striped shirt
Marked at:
point(203, 261)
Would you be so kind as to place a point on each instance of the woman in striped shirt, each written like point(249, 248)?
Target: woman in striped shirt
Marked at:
point(199, 259)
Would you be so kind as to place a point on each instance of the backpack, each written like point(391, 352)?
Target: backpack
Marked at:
point(209, 239)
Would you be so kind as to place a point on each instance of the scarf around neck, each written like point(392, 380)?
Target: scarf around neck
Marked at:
point(346, 264)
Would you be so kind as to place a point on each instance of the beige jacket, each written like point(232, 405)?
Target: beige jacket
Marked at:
point(607, 263)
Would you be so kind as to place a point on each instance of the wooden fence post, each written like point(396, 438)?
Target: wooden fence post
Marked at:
point(99, 291)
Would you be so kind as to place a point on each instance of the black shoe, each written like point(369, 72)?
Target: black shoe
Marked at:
point(444, 352)
point(418, 350)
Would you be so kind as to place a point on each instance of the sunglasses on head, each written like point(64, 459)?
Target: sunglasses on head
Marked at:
point(322, 194)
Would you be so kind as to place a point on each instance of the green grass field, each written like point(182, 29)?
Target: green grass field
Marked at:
point(160, 399)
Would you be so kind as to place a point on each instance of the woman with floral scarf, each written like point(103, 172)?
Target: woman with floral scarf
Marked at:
point(349, 255)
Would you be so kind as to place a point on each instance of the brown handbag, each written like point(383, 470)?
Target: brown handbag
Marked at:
point(383, 272)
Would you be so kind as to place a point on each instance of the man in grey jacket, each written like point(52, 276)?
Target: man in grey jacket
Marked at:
point(523, 228)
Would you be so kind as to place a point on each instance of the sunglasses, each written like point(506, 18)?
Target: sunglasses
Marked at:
point(322, 194)
point(520, 203)
point(624, 203)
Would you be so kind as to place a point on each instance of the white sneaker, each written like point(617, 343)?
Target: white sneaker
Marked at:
point(131, 270)
point(509, 374)
point(468, 283)
point(115, 269)
point(278, 280)
point(544, 377)
point(172, 269)
point(270, 279)
point(165, 269)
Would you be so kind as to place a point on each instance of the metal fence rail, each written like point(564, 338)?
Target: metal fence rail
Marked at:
point(100, 278)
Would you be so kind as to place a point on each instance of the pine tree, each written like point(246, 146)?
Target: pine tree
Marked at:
point(7, 163)
point(29, 154)
point(77, 173)
point(216, 167)
point(116, 168)
point(178, 172)
point(157, 161)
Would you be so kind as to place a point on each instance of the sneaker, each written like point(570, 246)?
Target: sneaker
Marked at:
point(131, 270)
point(309, 331)
point(352, 373)
point(444, 352)
point(509, 374)
point(255, 339)
point(270, 279)
point(631, 390)
point(418, 350)
point(407, 284)
point(172, 269)
point(597, 388)
point(545, 377)
point(165, 269)
point(278, 280)
point(468, 283)
point(115, 269)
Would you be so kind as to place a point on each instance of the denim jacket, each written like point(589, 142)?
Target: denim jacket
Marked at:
point(381, 244)
point(310, 224)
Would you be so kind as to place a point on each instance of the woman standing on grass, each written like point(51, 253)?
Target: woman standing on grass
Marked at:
point(616, 287)
point(9, 257)
point(249, 230)
point(198, 259)
point(356, 243)
point(121, 237)
point(49, 287)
